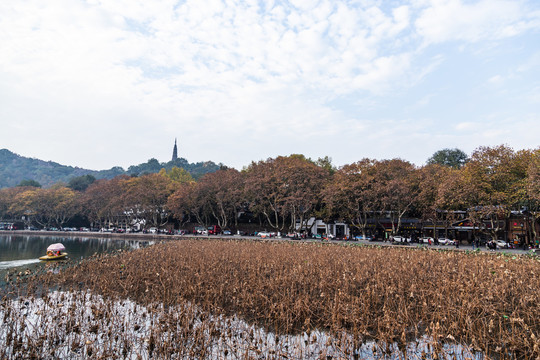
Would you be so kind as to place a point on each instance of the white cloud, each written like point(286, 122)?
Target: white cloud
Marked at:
point(496, 80)
point(138, 73)
point(449, 20)
point(468, 126)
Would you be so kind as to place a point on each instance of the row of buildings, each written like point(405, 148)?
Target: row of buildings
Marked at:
point(520, 228)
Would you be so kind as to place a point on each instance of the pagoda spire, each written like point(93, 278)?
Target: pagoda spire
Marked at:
point(175, 151)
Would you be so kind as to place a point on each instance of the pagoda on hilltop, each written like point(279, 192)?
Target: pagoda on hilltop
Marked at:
point(175, 151)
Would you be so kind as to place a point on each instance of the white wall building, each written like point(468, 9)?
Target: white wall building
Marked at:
point(317, 226)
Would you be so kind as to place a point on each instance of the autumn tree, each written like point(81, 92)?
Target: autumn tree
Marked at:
point(183, 204)
point(431, 181)
point(492, 185)
point(103, 201)
point(396, 189)
point(532, 187)
point(222, 195)
point(146, 198)
point(180, 180)
point(285, 190)
point(9, 209)
point(351, 193)
point(47, 207)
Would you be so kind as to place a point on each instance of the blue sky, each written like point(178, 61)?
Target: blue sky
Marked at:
point(99, 83)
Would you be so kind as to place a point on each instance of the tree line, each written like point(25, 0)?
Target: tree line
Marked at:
point(287, 191)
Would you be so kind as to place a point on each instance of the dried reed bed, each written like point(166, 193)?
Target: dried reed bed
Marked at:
point(488, 303)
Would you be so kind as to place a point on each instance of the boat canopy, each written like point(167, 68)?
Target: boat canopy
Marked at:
point(56, 247)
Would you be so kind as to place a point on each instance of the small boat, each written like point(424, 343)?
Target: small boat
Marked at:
point(54, 257)
point(55, 252)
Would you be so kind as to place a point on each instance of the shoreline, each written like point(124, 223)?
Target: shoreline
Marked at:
point(92, 234)
point(165, 237)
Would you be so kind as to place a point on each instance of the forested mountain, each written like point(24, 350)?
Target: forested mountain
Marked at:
point(15, 168)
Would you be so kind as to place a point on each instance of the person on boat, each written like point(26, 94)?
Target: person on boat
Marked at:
point(58, 253)
point(49, 253)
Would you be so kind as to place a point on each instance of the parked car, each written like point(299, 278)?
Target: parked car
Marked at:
point(427, 240)
point(227, 232)
point(198, 230)
point(401, 239)
point(501, 244)
point(264, 234)
point(214, 230)
point(446, 241)
point(363, 237)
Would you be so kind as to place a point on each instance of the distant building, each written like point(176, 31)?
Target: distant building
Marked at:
point(175, 151)
point(338, 230)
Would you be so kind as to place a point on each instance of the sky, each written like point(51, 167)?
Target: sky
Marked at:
point(103, 83)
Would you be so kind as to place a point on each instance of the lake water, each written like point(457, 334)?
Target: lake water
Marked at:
point(21, 252)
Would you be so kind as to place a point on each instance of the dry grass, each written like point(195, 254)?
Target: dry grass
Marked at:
point(488, 303)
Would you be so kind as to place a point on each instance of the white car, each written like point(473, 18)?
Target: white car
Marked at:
point(501, 244)
point(446, 241)
point(427, 240)
point(401, 239)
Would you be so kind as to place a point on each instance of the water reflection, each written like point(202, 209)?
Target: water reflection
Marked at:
point(21, 252)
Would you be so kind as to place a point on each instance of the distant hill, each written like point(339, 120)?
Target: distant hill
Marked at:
point(15, 168)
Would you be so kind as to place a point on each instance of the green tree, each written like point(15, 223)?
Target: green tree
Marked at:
point(326, 163)
point(454, 158)
point(32, 183)
point(81, 183)
point(177, 175)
